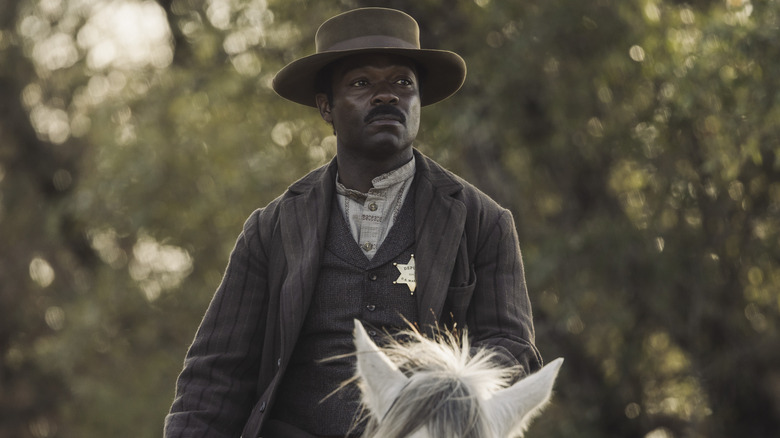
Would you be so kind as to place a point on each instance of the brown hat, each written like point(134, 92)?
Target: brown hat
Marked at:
point(372, 30)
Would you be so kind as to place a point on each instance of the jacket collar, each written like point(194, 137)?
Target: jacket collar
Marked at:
point(440, 219)
point(303, 222)
point(442, 181)
point(322, 177)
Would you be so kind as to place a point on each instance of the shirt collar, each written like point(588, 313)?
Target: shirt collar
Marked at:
point(389, 179)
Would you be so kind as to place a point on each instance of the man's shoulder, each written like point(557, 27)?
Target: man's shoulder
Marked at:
point(460, 188)
point(265, 216)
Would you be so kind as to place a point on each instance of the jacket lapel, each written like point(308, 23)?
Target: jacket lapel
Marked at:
point(303, 221)
point(439, 223)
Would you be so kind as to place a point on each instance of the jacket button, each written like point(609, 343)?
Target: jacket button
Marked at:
point(372, 276)
point(371, 307)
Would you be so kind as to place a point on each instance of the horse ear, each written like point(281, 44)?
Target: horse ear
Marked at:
point(380, 378)
point(513, 408)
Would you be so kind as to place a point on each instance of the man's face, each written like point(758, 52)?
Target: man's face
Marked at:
point(375, 110)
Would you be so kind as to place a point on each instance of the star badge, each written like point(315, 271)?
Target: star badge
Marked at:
point(407, 276)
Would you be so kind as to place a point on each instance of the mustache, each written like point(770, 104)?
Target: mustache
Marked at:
point(383, 110)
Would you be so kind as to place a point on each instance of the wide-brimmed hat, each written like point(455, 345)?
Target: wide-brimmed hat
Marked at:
point(365, 31)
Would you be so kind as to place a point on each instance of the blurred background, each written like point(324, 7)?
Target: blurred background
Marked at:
point(636, 141)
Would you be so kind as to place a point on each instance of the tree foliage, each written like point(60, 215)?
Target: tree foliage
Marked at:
point(637, 143)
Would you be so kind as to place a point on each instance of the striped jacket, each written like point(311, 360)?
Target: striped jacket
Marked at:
point(468, 267)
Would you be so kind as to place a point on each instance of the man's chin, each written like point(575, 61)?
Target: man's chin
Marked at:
point(386, 150)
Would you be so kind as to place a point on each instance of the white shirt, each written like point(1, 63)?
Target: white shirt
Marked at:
point(371, 215)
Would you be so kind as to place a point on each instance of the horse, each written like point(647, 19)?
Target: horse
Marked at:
point(420, 387)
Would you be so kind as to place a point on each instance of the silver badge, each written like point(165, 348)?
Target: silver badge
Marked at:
point(407, 276)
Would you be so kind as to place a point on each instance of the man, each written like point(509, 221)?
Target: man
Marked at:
point(382, 234)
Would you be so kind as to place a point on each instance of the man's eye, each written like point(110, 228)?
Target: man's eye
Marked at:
point(404, 82)
point(360, 83)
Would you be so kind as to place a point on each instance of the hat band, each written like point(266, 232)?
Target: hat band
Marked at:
point(371, 42)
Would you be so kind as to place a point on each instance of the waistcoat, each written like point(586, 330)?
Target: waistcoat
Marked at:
point(349, 286)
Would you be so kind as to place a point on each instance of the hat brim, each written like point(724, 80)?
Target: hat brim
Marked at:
point(443, 73)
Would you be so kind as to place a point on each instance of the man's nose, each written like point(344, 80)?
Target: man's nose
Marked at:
point(384, 95)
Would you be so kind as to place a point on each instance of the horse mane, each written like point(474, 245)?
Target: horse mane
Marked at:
point(447, 381)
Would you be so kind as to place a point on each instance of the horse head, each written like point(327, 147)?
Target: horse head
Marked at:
point(435, 388)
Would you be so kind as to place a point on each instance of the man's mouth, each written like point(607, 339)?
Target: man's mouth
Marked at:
point(385, 118)
point(385, 114)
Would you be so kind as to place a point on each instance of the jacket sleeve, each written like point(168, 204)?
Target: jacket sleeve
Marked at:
point(217, 387)
point(499, 314)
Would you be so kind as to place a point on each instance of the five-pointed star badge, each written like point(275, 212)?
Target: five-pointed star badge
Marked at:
point(407, 276)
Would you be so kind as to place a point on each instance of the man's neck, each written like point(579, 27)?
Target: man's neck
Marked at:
point(358, 174)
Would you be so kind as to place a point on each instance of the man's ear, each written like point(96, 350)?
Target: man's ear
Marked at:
point(324, 106)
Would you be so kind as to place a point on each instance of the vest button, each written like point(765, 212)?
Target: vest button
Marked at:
point(368, 246)
point(372, 206)
point(372, 332)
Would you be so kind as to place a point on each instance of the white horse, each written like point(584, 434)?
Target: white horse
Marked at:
point(435, 388)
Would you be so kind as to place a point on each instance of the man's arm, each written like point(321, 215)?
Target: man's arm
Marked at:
point(499, 315)
point(217, 387)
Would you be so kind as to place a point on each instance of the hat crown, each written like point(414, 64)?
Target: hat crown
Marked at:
point(368, 27)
